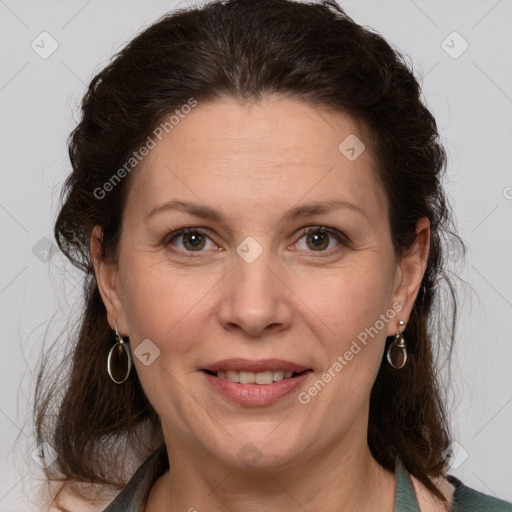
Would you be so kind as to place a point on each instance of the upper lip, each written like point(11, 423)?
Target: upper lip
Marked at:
point(255, 365)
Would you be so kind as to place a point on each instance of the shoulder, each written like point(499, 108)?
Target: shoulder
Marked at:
point(459, 498)
point(430, 503)
point(80, 498)
point(468, 499)
point(69, 495)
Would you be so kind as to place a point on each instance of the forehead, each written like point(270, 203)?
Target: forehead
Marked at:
point(273, 150)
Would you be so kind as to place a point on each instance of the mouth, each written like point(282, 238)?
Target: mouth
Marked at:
point(263, 378)
point(255, 383)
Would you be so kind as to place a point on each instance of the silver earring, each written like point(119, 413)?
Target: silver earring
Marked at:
point(397, 351)
point(119, 362)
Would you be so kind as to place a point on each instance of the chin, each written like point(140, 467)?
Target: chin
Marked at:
point(259, 450)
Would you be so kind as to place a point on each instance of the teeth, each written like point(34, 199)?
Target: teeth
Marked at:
point(247, 377)
point(266, 377)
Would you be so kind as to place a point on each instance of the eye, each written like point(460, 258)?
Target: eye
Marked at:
point(192, 239)
point(318, 238)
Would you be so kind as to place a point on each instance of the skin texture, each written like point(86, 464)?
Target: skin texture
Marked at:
point(296, 301)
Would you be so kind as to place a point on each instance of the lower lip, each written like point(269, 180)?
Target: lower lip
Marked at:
point(256, 394)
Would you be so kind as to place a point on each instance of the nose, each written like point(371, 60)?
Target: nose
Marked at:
point(256, 298)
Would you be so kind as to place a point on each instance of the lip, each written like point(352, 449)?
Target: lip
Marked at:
point(255, 365)
point(256, 394)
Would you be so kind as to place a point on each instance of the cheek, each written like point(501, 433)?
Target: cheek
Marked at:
point(157, 299)
point(351, 312)
point(160, 305)
point(168, 310)
point(348, 300)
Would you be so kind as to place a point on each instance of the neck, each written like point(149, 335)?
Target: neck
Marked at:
point(350, 479)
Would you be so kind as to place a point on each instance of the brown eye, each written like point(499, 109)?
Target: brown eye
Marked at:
point(192, 239)
point(318, 239)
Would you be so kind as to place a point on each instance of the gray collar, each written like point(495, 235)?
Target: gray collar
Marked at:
point(134, 495)
point(405, 497)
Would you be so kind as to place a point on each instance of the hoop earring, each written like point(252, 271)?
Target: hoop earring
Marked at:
point(397, 351)
point(119, 362)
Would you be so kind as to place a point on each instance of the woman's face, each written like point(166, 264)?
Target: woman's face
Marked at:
point(246, 290)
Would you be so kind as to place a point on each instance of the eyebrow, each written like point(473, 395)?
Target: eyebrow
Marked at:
point(304, 210)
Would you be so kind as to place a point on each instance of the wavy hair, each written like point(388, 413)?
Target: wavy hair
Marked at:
point(248, 50)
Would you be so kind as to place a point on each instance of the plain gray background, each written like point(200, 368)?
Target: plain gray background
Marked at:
point(469, 92)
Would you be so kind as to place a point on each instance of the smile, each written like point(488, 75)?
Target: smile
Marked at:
point(255, 382)
point(263, 378)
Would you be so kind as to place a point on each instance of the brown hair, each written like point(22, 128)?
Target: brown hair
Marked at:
point(244, 49)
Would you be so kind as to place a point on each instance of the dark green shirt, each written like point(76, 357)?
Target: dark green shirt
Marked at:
point(134, 495)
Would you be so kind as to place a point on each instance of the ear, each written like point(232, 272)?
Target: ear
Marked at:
point(107, 277)
point(409, 274)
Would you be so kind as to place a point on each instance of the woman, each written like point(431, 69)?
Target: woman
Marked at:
point(256, 203)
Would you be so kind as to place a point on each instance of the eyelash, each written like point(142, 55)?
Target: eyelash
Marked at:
point(340, 237)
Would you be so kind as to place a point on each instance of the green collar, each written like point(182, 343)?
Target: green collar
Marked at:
point(405, 497)
point(134, 495)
